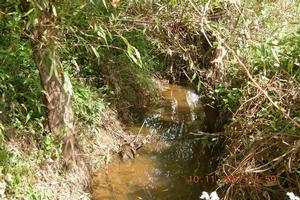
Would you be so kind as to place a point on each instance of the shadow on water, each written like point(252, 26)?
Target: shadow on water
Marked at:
point(175, 164)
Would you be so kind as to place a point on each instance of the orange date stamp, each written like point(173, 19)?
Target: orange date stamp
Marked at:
point(213, 179)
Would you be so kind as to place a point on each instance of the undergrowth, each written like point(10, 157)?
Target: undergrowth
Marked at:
point(26, 144)
point(262, 101)
point(107, 65)
point(244, 55)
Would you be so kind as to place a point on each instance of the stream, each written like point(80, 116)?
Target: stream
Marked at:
point(175, 165)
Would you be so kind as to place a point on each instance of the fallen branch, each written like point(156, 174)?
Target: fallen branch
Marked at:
point(200, 133)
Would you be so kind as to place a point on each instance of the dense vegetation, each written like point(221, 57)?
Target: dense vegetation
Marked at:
point(89, 56)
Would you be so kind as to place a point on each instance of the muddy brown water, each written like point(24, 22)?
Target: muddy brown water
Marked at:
point(175, 165)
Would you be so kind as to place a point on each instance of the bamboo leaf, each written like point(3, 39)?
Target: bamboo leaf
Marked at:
point(28, 116)
point(104, 3)
point(95, 52)
point(54, 11)
point(199, 86)
point(133, 53)
point(194, 76)
point(101, 32)
point(30, 11)
point(275, 54)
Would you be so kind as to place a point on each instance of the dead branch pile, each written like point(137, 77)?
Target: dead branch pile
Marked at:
point(267, 155)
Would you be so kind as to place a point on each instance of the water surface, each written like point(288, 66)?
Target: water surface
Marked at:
point(163, 168)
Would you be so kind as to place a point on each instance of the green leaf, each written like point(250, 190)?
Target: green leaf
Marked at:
point(28, 116)
point(290, 65)
point(191, 64)
point(100, 32)
point(95, 52)
point(194, 76)
point(275, 54)
point(133, 53)
point(173, 3)
point(104, 3)
point(54, 11)
point(30, 11)
point(199, 86)
point(39, 6)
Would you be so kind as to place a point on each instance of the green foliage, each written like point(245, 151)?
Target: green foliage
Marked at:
point(112, 53)
point(106, 54)
point(88, 105)
point(98, 56)
point(153, 60)
point(229, 98)
point(290, 54)
point(34, 194)
point(261, 93)
point(21, 101)
point(279, 54)
point(21, 91)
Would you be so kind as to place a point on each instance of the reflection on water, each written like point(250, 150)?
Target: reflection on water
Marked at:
point(162, 168)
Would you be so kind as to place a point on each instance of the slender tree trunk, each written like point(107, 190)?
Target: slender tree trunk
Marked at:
point(57, 96)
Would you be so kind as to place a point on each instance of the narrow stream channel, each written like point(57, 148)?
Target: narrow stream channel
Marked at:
point(163, 169)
